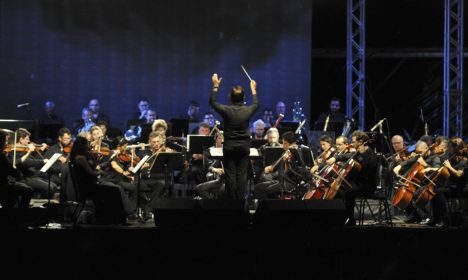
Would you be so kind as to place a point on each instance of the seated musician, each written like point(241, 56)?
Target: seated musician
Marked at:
point(258, 164)
point(12, 193)
point(85, 123)
point(326, 151)
point(258, 130)
point(291, 169)
point(364, 182)
point(63, 147)
point(195, 169)
point(152, 181)
point(215, 174)
point(429, 162)
point(456, 163)
point(90, 186)
point(29, 160)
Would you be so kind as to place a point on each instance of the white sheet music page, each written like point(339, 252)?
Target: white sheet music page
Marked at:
point(50, 162)
point(216, 152)
point(140, 164)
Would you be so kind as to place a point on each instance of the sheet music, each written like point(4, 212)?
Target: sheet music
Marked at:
point(50, 162)
point(218, 152)
point(140, 164)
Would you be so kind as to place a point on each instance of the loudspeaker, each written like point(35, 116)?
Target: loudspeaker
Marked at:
point(223, 212)
point(209, 212)
point(18, 217)
point(176, 212)
point(301, 213)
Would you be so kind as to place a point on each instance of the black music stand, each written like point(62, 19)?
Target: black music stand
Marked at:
point(271, 154)
point(165, 163)
point(180, 127)
point(46, 169)
point(197, 143)
point(287, 126)
point(137, 171)
point(257, 143)
point(336, 127)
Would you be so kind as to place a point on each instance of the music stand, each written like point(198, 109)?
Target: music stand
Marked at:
point(46, 168)
point(257, 143)
point(197, 143)
point(48, 131)
point(336, 127)
point(271, 154)
point(136, 170)
point(287, 126)
point(165, 163)
point(180, 127)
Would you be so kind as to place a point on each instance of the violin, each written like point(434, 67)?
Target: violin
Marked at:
point(67, 149)
point(18, 148)
point(126, 157)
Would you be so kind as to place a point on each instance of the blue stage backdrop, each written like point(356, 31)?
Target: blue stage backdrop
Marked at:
point(70, 51)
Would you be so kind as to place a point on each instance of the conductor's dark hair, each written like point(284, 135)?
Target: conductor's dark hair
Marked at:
point(289, 137)
point(237, 94)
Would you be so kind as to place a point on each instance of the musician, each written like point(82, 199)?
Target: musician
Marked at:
point(258, 164)
point(215, 172)
point(365, 181)
point(399, 149)
point(333, 120)
point(102, 193)
point(268, 117)
point(12, 193)
point(104, 128)
point(143, 107)
point(64, 142)
point(258, 130)
point(326, 151)
point(50, 117)
point(193, 111)
point(85, 123)
point(195, 169)
point(291, 171)
point(209, 119)
point(334, 115)
point(456, 163)
point(430, 162)
point(280, 109)
point(236, 147)
point(152, 181)
point(29, 161)
point(97, 115)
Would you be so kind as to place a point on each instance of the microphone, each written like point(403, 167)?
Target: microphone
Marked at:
point(22, 105)
point(378, 124)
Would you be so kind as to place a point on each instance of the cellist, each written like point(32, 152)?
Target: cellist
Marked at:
point(327, 151)
point(363, 182)
point(455, 161)
point(428, 162)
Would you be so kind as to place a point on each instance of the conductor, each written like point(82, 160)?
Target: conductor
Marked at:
point(236, 146)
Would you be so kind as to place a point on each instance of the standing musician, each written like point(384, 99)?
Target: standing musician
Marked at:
point(151, 182)
point(291, 170)
point(236, 148)
point(29, 160)
point(365, 181)
point(12, 193)
point(215, 174)
point(429, 162)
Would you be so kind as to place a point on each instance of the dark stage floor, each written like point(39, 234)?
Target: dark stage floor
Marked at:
point(144, 251)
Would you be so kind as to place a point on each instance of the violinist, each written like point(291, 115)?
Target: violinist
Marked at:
point(400, 151)
point(214, 175)
point(364, 182)
point(152, 181)
point(291, 171)
point(63, 146)
point(258, 165)
point(456, 163)
point(99, 149)
point(29, 160)
point(429, 162)
point(12, 193)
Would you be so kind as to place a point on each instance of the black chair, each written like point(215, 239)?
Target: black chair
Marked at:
point(383, 213)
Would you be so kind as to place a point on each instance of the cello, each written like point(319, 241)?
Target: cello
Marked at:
point(408, 184)
point(317, 190)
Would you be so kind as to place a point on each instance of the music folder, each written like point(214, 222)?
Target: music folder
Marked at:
point(272, 154)
point(50, 162)
point(197, 143)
